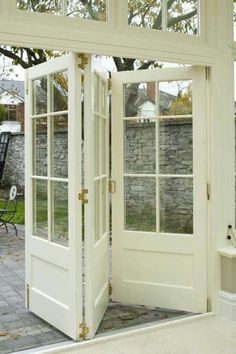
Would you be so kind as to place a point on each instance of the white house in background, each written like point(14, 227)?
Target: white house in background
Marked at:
point(12, 98)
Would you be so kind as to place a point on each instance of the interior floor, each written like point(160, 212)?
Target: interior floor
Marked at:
point(120, 316)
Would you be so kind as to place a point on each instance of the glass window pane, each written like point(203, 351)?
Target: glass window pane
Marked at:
point(92, 10)
point(40, 96)
point(234, 17)
point(96, 145)
point(175, 98)
point(104, 98)
point(104, 189)
point(60, 146)
point(40, 209)
point(140, 203)
point(97, 233)
point(60, 213)
point(182, 16)
point(39, 146)
point(46, 6)
point(176, 205)
point(103, 146)
point(59, 84)
point(176, 146)
point(139, 147)
point(96, 93)
point(139, 99)
point(145, 13)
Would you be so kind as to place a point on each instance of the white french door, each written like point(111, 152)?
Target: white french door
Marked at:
point(53, 181)
point(160, 205)
point(96, 157)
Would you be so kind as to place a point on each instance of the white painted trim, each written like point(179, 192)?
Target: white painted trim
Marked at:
point(227, 305)
point(72, 347)
point(229, 252)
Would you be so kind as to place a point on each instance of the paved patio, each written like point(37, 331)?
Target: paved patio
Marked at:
point(19, 329)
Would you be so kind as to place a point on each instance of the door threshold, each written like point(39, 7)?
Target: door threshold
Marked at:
point(69, 347)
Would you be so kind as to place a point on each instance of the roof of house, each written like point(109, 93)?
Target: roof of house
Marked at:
point(16, 88)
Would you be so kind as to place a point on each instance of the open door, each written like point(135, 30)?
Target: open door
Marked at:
point(53, 180)
point(96, 157)
point(160, 206)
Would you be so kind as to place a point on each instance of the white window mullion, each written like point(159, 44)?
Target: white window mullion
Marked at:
point(157, 98)
point(164, 15)
point(64, 8)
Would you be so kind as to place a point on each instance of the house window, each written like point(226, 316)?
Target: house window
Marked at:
point(83, 9)
point(175, 16)
point(11, 112)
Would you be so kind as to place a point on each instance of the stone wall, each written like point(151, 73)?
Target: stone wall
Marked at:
point(175, 157)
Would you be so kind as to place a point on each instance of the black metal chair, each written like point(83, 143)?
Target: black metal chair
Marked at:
point(7, 212)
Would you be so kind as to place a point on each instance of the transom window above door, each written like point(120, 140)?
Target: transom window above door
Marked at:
point(182, 16)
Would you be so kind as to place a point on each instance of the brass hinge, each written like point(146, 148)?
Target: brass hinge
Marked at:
point(84, 330)
point(109, 84)
point(112, 186)
point(83, 60)
point(82, 196)
point(27, 296)
point(110, 288)
point(208, 191)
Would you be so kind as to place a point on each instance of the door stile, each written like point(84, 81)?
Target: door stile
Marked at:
point(64, 260)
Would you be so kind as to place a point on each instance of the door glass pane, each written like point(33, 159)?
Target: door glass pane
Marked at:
point(145, 13)
point(176, 146)
point(59, 85)
point(40, 209)
point(140, 203)
point(60, 146)
point(60, 213)
point(46, 6)
point(234, 18)
point(96, 93)
point(103, 146)
point(140, 147)
point(139, 99)
point(96, 145)
point(182, 16)
point(93, 9)
point(104, 98)
point(39, 146)
point(103, 206)
point(175, 98)
point(40, 96)
point(176, 205)
point(97, 210)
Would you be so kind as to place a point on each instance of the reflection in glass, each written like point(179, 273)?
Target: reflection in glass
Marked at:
point(140, 203)
point(46, 6)
point(139, 100)
point(92, 10)
point(39, 146)
point(60, 213)
point(59, 146)
point(175, 146)
point(176, 205)
point(40, 209)
point(59, 84)
point(182, 16)
point(104, 98)
point(40, 96)
point(175, 98)
point(97, 233)
point(96, 146)
point(139, 147)
point(145, 13)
